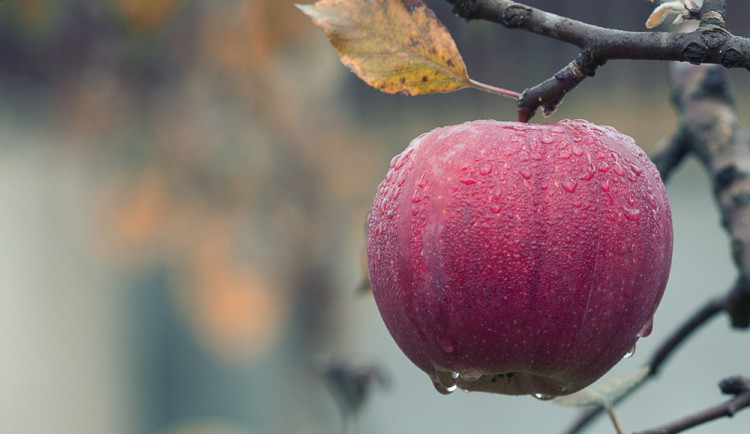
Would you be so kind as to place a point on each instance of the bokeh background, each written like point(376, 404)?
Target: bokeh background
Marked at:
point(183, 191)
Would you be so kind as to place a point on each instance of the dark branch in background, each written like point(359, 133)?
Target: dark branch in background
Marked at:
point(709, 43)
point(709, 129)
point(737, 386)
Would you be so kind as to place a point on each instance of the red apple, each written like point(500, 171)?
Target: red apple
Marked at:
point(519, 258)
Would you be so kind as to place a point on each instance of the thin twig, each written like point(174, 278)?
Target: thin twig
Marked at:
point(669, 154)
point(726, 409)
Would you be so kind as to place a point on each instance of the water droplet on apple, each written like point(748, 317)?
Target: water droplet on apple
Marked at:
point(603, 166)
point(565, 154)
point(632, 214)
point(467, 181)
point(547, 139)
point(447, 344)
point(442, 389)
point(605, 185)
point(394, 160)
point(630, 353)
point(486, 169)
point(398, 161)
point(588, 174)
point(647, 328)
point(543, 397)
point(445, 381)
point(525, 173)
point(570, 185)
point(401, 178)
point(470, 375)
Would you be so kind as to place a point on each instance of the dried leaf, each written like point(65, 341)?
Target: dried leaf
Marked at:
point(606, 393)
point(397, 46)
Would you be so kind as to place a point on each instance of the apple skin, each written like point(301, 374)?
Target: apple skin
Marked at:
point(519, 258)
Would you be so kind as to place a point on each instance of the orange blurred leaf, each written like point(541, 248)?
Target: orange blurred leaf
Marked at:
point(397, 46)
point(147, 14)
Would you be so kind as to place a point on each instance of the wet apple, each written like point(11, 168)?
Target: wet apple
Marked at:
point(519, 258)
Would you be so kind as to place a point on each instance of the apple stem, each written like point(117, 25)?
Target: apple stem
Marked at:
point(613, 417)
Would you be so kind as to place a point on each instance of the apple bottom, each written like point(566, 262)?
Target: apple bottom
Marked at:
point(507, 383)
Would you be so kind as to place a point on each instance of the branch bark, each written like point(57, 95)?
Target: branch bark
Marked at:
point(709, 43)
point(710, 130)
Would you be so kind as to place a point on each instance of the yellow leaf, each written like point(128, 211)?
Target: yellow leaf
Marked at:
point(397, 46)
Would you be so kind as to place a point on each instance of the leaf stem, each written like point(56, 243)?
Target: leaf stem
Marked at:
point(495, 90)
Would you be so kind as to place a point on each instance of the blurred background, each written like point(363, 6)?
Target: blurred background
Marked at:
point(183, 192)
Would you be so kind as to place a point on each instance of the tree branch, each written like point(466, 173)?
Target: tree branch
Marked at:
point(669, 154)
point(737, 386)
point(709, 126)
point(709, 43)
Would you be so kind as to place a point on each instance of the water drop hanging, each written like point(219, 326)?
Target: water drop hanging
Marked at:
point(543, 397)
point(630, 353)
point(647, 328)
point(445, 381)
point(470, 375)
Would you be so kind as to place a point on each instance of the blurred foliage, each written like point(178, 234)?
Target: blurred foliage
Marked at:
point(219, 156)
point(209, 158)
